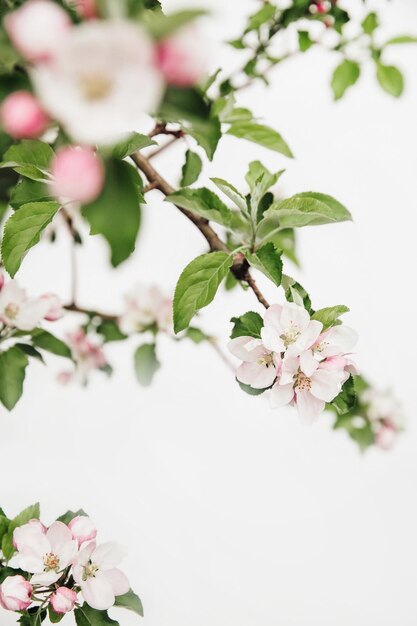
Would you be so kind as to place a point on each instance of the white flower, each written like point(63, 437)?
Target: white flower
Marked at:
point(45, 554)
point(95, 572)
point(101, 82)
point(17, 310)
point(383, 406)
point(146, 306)
point(288, 328)
point(259, 367)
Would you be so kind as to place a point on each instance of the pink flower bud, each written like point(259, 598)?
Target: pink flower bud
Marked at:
point(1, 280)
point(77, 174)
point(82, 529)
point(15, 593)
point(22, 116)
point(63, 600)
point(37, 28)
point(182, 58)
point(85, 8)
point(55, 310)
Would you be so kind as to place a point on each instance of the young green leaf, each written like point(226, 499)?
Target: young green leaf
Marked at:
point(262, 16)
point(247, 325)
point(29, 157)
point(28, 191)
point(198, 285)
point(45, 340)
point(294, 292)
point(23, 230)
point(370, 23)
point(329, 315)
point(116, 213)
point(390, 79)
point(191, 169)
point(304, 41)
point(136, 141)
point(13, 363)
point(67, 517)
point(345, 75)
point(87, 616)
point(54, 618)
point(110, 331)
point(203, 202)
point(258, 173)
point(306, 209)
point(146, 363)
point(130, 601)
point(402, 39)
point(162, 26)
point(231, 192)
point(196, 335)
point(268, 260)
point(251, 391)
point(260, 134)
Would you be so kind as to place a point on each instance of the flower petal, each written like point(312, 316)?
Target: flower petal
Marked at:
point(309, 407)
point(246, 348)
point(308, 364)
point(326, 384)
point(118, 581)
point(293, 314)
point(108, 555)
point(98, 592)
point(271, 339)
point(281, 394)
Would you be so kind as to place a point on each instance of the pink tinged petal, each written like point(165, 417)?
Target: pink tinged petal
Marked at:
point(63, 600)
point(290, 366)
point(333, 363)
point(386, 438)
point(118, 581)
point(326, 384)
point(15, 593)
point(343, 337)
point(272, 318)
point(307, 338)
point(81, 561)
point(108, 555)
point(31, 529)
point(271, 339)
point(30, 314)
point(246, 348)
point(98, 592)
point(257, 376)
point(58, 535)
point(281, 395)
point(82, 529)
point(293, 314)
point(308, 364)
point(45, 578)
point(67, 554)
point(309, 407)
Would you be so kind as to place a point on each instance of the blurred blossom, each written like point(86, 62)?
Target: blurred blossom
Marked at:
point(77, 174)
point(102, 81)
point(22, 117)
point(182, 57)
point(146, 307)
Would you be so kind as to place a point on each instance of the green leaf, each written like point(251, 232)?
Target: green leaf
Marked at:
point(304, 41)
point(259, 176)
point(268, 260)
point(294, 292)
point(23, 230)
point(196, 335)
point(207, 134)
point(370, 23)
point(110, 331)
point(345, 75)
point(146, 363)
point(54, 618)
point(28, 191)
point(390, 79)
point(31, 512)
point(130, 601)
point(87, 616)
point(29, 157)
point(247, 325)
point(67, 517)
point(231, 192)
point(262, 16)
point(402, 39)
point(47, 341)
point(12, 571)
point(4, 525)
point(162, 26)
point(329, 315)
point(13, 363)
point(134, 142)
point(260, 134)
point(347, 399)
point(191, 169)
point(198, 285)
point(306, 209)
point(203, 202)
point(116, 213)
point(30, 351)
point(250, 390)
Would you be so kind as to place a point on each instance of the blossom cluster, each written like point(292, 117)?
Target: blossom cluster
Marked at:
point(300, 361)
point(146, 308)
point(385, 415)
point(62, 566)
point(99, 80)
point(21, 312)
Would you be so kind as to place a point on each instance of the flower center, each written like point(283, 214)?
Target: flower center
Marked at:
point(267, 360)
point(90, 570)
point(51, 562)
point(302, 382)
point(321, 346)
point(95, 86)
point(11, 310)
point(290, 335)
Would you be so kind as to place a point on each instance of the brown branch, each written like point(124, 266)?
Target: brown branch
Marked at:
point(240, 267)
point(104, 316)
point(160, 149)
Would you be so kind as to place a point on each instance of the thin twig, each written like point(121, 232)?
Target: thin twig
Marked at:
point(74, 308)
point(166, 145)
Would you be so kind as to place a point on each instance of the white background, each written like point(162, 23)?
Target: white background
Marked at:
point(234, 514)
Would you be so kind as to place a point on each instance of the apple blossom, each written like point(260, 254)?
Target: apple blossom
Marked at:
point(55, 310)
point(23, 534)
point(146, 306)
point(22, 117)
point(87, 354)
point(95, 572)
point(37, 29)
point(82, 529)
point(288, 328)
point(309, 391)
point(77, 174)
point(17, 310)
point(46, 555)
point(182, 58)
point(85, 8)
point(101, 82)
point(15, 593)
point(385, 413)
point(63, 600)
point(260, 366)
